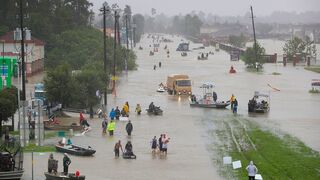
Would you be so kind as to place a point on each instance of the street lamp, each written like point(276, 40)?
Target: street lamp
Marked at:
point(105, 9)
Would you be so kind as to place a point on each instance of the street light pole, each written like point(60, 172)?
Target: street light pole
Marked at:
point(23, 98)
point(254, 37)
point(104, 11)
point(114, 51)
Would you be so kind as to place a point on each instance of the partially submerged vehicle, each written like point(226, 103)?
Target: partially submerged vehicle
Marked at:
point(183, 47)
point(179, 84)
point(260, 103)
point(183, 54)
point(155, 111)
point(209, 98)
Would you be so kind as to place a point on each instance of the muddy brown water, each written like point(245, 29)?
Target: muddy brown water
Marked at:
point(293, 110)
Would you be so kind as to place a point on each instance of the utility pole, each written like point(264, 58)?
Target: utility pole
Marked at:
point(114, 52)
point(104, 10)
point(127, 41)
point(23, 98)
point(254, 37)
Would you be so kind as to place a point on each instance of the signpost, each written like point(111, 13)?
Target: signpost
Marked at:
point(7, 69)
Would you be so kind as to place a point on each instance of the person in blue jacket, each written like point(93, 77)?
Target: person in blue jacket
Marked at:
point(112, 114)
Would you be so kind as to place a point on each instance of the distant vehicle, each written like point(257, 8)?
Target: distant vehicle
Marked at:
point(39, 93)
point(183, 47)
point(179, 84)
point(260, 103)
point(217, 48)
point(234, 55)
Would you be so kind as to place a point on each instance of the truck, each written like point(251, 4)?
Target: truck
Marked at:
point(179, 84)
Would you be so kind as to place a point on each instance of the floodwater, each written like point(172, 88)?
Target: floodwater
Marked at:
point(293, 110)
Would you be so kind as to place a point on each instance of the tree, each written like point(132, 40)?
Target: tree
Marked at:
point(294, 46)
point(138, 19)
point(238, 41)
point(8, 104)
point(249, 56)
point(59, 85)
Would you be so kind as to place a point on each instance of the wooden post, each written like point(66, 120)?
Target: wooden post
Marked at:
point(294, 60)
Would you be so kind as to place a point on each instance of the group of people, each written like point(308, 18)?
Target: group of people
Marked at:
point(161, 144)
point(128, 150)
point(53, 164)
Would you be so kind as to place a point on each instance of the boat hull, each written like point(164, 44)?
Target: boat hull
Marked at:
point(212, 105)
point(60, 176)
point(11, 174)
point(60, 127)
point(75, 150)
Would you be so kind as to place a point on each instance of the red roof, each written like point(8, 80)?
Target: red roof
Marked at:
point(8, 38)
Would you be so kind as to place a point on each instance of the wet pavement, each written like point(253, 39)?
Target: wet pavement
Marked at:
point(293, 110)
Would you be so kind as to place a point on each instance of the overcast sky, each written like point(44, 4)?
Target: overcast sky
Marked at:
point(220, 7)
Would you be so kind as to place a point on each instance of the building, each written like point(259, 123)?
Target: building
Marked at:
point(34, 52)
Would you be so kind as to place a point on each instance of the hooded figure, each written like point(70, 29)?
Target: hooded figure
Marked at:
point(66, 163)
point(118, 113)
point(252, 170)
point(129, 128)
point(52, 164)
point(112, 114)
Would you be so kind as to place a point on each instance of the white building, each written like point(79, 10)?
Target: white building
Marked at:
point(34, 52)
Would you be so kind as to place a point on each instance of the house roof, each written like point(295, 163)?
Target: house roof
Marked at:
point(8, 38)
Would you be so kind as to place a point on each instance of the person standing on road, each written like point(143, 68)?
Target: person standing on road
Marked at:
point(117, 113)
point(235, 106)
point(232, 98)
point(117, 148)
point(160, 143)
point(66, 163)
point(104, 125)
point(154, 144)
point(111, 127)
point(129, 128)
point(159, 64)
point(112, 114)
point(138, 109)
point(252, 170)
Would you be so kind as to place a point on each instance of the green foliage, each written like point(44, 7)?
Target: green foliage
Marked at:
point(59, 85)
point(8, 104)
point(188, 25)
point(249, 56)
point(138, 19)
point(279, 158)
point(238, 41)
point(313, 69)
point(299, 46)
point(33, 148)
point(294, 46)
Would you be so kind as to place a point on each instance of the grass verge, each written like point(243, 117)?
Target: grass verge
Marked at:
point(32, 147)
point(276, 156)
point(313, 68)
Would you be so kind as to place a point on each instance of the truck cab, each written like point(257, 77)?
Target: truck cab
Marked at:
point(178, 84)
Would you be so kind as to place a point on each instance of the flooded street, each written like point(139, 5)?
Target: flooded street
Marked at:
point(293, 110)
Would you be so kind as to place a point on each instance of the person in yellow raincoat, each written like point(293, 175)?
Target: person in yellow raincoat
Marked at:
point(232, 99)
point(126, 109)
point(111, 127)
